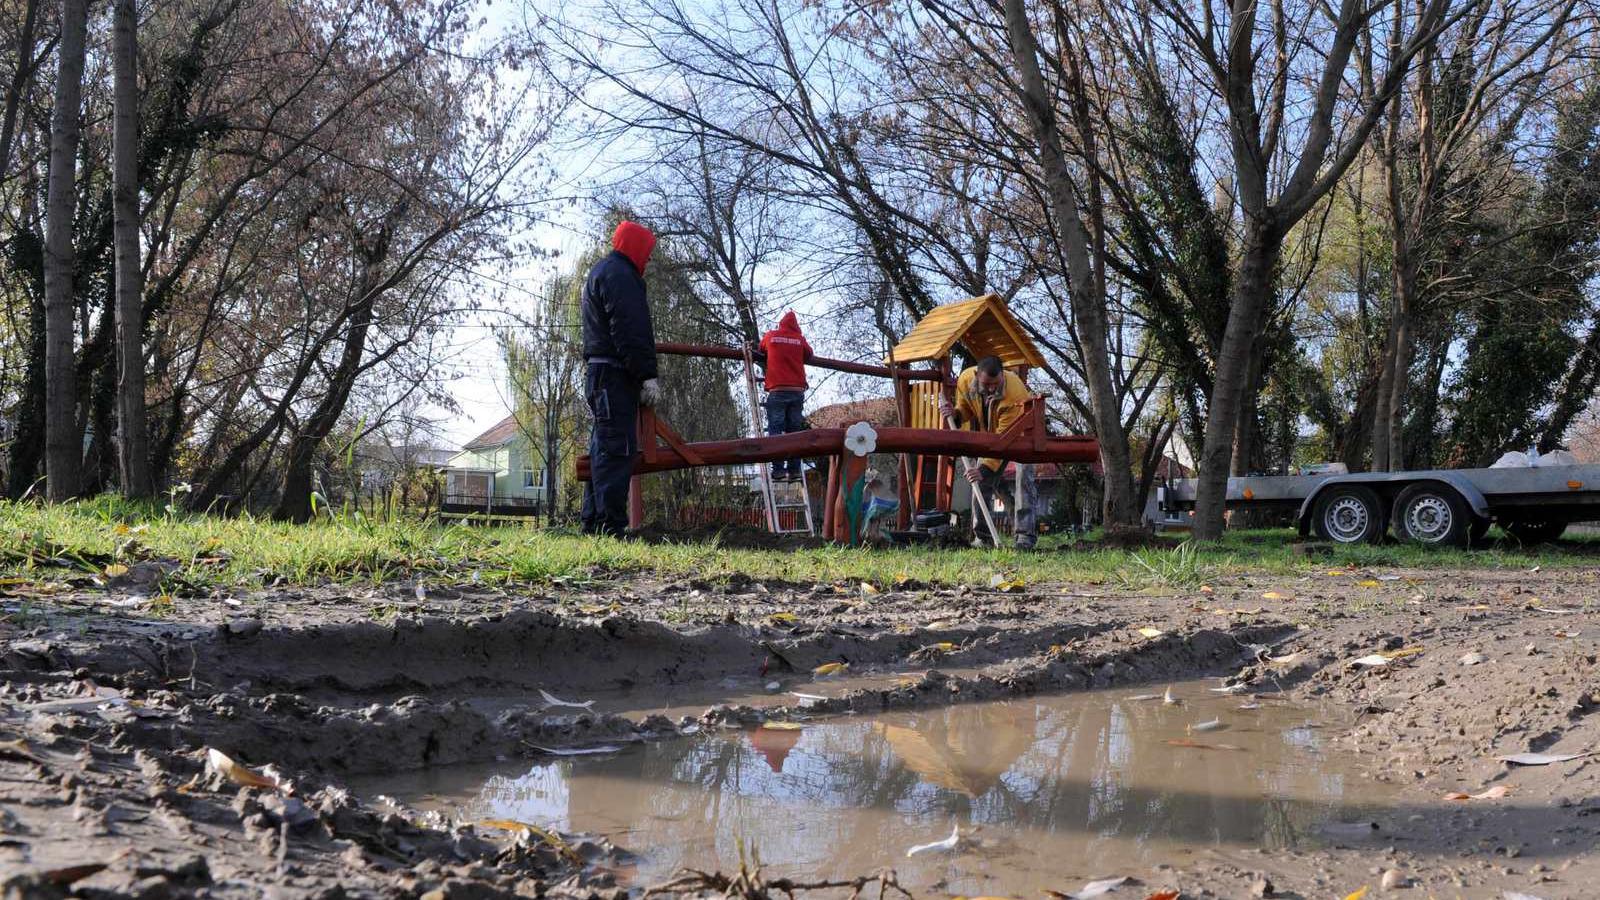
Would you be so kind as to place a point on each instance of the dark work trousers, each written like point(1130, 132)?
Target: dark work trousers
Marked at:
point(613, 397)
point(784, 416)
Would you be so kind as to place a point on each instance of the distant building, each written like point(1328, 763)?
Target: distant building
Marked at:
point(496, 472)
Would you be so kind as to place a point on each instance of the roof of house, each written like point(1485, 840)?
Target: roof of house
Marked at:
point(502, 433)
point(880, 412)
point(984, 325)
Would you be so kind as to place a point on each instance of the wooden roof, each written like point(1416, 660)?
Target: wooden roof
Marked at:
point(983, 325)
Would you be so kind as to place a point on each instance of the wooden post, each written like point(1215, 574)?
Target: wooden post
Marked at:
point(828, 494)
point(902, 403)
point(636, 502)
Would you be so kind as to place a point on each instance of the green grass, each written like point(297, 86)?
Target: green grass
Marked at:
point(42, 543)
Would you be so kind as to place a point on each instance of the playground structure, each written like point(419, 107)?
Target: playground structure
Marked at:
point(925, 444)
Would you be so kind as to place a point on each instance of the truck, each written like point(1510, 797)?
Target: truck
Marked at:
point(1434, 507)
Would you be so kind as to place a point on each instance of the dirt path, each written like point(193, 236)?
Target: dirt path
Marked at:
point(108, 708)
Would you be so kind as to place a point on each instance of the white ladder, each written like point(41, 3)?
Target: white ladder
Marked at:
point(798, 494)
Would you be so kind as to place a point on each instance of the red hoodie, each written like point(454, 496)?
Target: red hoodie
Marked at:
point(787, 354)
point(635, 242)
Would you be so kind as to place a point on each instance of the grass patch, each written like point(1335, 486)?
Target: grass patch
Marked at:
point(44, 543)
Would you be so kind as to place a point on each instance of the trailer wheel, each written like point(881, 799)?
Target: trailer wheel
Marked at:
point(1348, 514)
point(1432, 514)
point(1537, 531)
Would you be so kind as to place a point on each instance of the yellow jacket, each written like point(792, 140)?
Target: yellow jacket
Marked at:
point(993, 416)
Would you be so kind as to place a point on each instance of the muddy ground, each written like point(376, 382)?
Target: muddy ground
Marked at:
point(111, 702)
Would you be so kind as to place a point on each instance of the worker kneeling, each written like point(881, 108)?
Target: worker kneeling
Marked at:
point(988, 398)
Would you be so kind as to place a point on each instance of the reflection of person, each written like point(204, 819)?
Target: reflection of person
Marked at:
point(988, 398)
point(786, 352)
point(619, 346)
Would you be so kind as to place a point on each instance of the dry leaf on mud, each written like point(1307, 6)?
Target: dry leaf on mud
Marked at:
point(1539, 759)
point(1149, 632)
point(116, 570)
point(1006, 585)
point(1163, 895)
point(221, 763)
point(948, 843)
point(833, 668)
point(1200, 745)
point(1287, 659)
point(1275, 595)
point(783, 618)
point(576, 751)
point(600, 608)
point(543, 836)
point(1207, 589)
point(18, 749)
point(1092, 889)
point(1356, 894)
point(1369, 583)
point(1494, 793)
point(69, 874)
point(869, 590)
point(552, 700)
point(1372, 659)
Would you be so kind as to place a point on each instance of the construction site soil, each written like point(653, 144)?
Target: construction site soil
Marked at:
point(133, 735)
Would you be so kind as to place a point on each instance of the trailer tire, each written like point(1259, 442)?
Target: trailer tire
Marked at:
point(1432, 514)
point(1348, 514)
point(1536, 531)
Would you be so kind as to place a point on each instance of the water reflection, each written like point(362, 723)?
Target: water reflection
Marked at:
point(1062, 787)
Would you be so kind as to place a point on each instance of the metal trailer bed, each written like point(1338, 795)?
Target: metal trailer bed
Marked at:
point(1438, 507)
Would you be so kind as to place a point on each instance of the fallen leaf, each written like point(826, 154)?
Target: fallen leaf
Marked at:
point(552, 700)
point(1006, 585)
point(783, 726)
point(1098, 888)
point(783, 618)
point(70, 874)
point(1369, 583)
point(1206, 589)
point(833, 668)
point(116, 570)
point(948, 843)
point(577, 751)
point(1163, 895)
point(1540, 759)
point(542, 835)
point(220, 762)
point(1286, 660)
point(1198, 745)
point(1356, 894)
point(1565, 634)
point(1274, 595)
point(1374, 659)
point(18, 749)
point(869, 590)
point(1494, 793)
point(1151, 632)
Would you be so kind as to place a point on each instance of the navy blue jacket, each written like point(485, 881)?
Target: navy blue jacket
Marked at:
point(616, 316)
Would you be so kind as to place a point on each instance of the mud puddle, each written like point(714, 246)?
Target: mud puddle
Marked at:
point(1048, 792)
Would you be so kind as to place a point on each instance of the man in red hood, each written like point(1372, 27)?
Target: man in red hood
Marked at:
point(619, 346)
point(786, 353)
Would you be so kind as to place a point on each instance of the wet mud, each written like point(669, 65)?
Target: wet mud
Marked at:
point(107, 714)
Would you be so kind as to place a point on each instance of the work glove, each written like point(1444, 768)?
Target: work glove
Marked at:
point(649, 392)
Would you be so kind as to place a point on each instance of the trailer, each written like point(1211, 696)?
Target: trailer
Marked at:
point(1435, 507)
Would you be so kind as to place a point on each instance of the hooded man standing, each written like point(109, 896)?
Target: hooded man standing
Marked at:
point(619, 347)
point(988, 398)
point(786, 353)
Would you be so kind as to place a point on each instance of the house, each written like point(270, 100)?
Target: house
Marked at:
point(497, 472)
point(878, 412)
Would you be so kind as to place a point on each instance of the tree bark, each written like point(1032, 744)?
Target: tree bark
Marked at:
point(133, 430)
point(1088, 301)
point(1252, 284)
point(63, 440)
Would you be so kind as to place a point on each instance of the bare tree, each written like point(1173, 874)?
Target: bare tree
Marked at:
point(1259, 133)
point(133, 451)
point(63, 438)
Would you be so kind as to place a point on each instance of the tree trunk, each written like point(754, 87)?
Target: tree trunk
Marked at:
point(1577, 388)
point(63, 440)
point(1252, 285)
point(1088, 302)
point(294, 501)
point(1397, 375)
point(133, 446)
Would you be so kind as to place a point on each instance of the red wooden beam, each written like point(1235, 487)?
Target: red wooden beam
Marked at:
point(1015, 445)
point(821, 362)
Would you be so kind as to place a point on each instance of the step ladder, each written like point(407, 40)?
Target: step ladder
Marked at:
point(796, 495)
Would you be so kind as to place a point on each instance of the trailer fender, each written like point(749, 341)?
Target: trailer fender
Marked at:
point(1399, 481)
